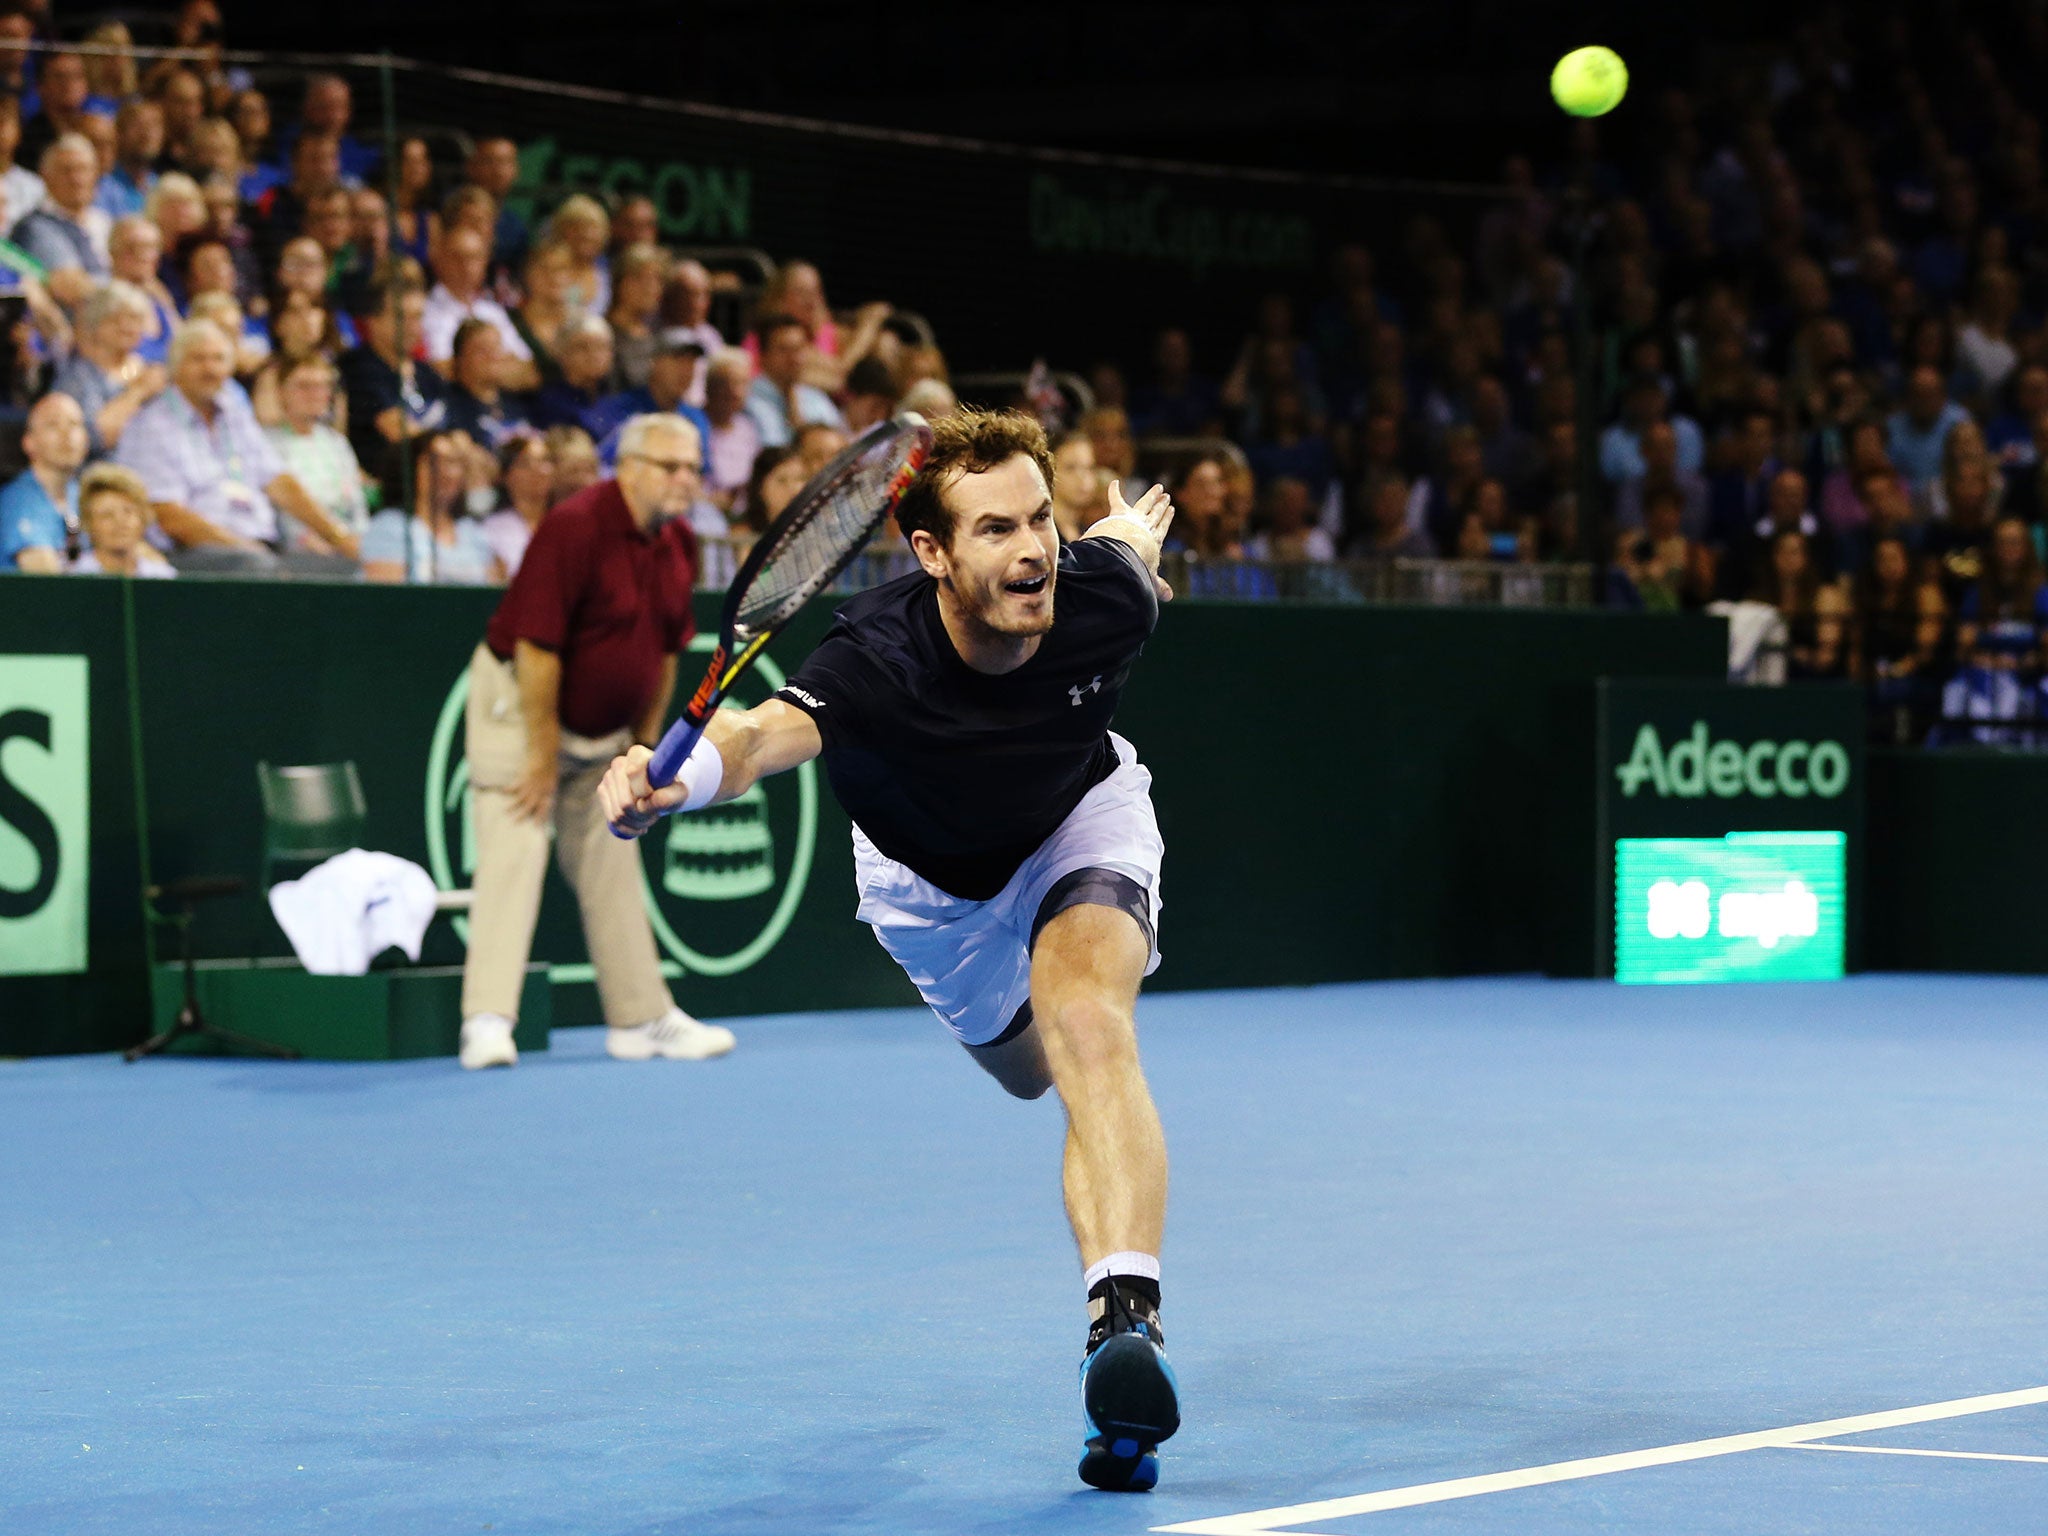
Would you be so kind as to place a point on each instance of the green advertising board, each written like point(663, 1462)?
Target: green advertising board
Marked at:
point(45, 815)
point(1406, 837)
point(1751, 906)
point(1685, 765)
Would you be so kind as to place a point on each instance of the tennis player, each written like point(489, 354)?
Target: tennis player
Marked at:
point(1004, 843)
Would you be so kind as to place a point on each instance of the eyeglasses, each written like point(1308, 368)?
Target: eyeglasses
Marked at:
point(670, 467)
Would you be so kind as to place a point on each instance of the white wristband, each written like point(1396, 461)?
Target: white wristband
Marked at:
point(701, 774)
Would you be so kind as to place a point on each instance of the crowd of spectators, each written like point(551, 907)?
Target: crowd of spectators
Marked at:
point(1813, 289)
point(311, 362)
point(1814, 390)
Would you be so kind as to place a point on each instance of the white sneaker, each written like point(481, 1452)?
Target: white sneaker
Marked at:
point(674, 1036)
point(487, 1041)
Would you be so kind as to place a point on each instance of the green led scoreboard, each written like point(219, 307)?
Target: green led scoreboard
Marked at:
point(1729, 830)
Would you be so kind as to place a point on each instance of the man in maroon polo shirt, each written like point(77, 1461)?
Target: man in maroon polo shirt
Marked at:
point(578, 663)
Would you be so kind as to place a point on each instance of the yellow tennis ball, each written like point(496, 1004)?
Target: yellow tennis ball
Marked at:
point(1589, 82)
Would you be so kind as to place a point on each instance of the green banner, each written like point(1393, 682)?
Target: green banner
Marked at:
point(45, 814)
point(1401, 825)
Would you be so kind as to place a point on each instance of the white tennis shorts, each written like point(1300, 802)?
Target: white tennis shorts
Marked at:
point(971, 960)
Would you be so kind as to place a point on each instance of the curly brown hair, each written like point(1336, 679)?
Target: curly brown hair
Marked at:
point(969, 442)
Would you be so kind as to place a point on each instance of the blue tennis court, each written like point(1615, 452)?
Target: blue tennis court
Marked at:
point(1420, 1234)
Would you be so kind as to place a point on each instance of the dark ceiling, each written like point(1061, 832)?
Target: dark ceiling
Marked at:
point(1422, 87)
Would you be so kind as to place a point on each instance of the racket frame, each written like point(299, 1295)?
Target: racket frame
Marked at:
point(738, 645)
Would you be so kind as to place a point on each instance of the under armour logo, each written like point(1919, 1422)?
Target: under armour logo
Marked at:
point(1094, 686)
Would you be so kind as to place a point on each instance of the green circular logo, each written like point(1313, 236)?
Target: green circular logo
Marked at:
point(732, 875)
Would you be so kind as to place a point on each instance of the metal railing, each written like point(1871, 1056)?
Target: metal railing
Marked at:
point(1422, 583)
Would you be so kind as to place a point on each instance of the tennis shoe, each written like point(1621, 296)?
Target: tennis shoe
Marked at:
point(675, 1036)
point(1130, 1401)
point(487, 1042)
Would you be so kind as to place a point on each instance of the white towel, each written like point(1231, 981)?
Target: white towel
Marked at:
point(352, 908)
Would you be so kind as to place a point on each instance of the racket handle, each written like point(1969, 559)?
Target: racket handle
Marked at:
point(672, 751)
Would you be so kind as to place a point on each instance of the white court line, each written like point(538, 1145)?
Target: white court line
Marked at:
point(1897, 1450)
point(1260, 1521)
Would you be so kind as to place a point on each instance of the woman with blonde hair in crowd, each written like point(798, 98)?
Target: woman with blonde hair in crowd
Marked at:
point(638, 275)
point(114, 514)
point(176, 207)
point(109, 76)
point(546, 307)
point(585, 229)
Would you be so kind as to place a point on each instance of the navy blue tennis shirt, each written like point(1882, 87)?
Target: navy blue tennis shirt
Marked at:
point(956, 773)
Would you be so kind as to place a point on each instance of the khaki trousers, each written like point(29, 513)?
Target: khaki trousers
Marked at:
point(512, 862)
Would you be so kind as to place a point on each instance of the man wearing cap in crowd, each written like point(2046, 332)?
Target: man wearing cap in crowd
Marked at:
point(678, 354)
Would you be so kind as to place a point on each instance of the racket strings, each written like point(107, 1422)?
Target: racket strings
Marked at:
point(817, 547)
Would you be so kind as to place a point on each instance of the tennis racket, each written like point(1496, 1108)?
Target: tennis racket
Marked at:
point(814, 539)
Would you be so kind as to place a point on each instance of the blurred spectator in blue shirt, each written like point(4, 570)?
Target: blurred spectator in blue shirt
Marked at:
point(1659, 448)
point(1643, 402)
point(1919, 429)
point(583, 349)
point(326, 110)
point(1177, 401)
point(780, 401)
point(138, 142)
point(39, 507)
point(249, 116)
point(2010, 433)
point(1290, 447)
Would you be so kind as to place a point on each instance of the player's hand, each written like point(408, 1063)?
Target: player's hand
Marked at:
point(631, 806)
point(1155, 511)
point(533, 797)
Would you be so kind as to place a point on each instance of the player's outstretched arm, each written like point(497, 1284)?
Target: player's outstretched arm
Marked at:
point(1142, 527)
point(749, 745)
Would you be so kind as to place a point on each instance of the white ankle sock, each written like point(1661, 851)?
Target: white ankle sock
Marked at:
point(1143, 1265)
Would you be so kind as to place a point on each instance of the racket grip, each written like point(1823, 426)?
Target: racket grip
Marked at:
point(672, 751)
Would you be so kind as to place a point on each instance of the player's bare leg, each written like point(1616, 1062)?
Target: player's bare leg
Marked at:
point(1085, 972)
